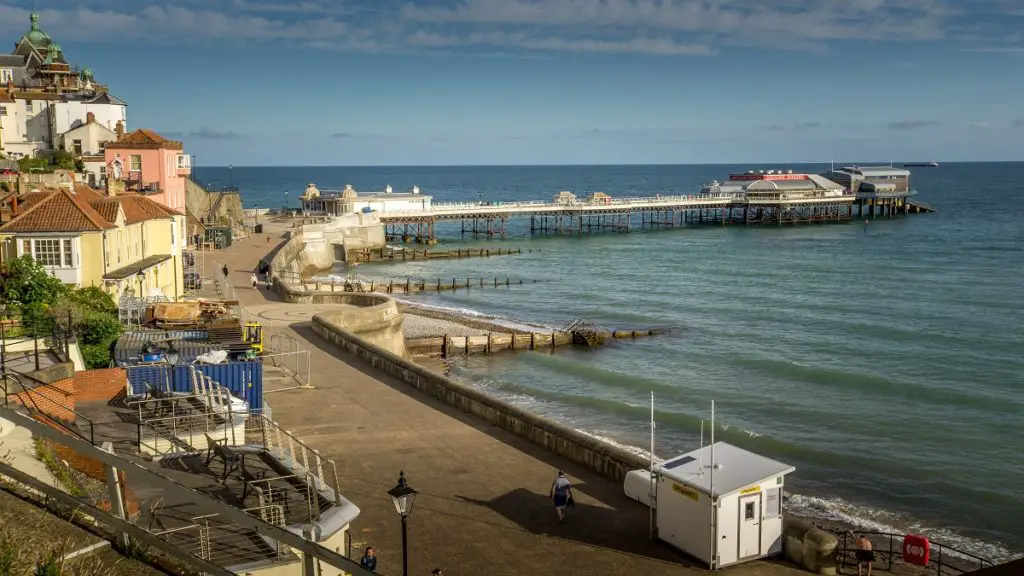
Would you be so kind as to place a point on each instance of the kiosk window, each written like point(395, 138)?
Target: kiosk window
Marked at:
point(748, 511)
point(773, 503)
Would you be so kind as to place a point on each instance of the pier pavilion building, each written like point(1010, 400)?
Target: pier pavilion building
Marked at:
point(347, 201)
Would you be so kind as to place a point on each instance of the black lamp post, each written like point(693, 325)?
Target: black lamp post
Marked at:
point(172, 355)
point(403, 496)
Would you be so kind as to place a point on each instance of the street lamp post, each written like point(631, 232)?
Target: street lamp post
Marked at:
point(172, 355)
point(403, 497)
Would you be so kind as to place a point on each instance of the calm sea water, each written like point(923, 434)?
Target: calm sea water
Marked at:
point(885, 363)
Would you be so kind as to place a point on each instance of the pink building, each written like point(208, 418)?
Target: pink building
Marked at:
point(149, 164)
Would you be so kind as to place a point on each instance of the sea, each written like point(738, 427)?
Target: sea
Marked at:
point(884, 361)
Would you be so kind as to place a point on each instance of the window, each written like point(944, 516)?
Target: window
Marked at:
point(103, 172)
point(77, 144)
point(135, 163)
point(184, 161)
point(748, 511)
point(6, 75)
point(47, 252)
point(68, 258)
point(773, 501)
point(3, 110)
point(28, 105)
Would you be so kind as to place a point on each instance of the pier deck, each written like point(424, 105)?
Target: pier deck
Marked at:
point(620, 214)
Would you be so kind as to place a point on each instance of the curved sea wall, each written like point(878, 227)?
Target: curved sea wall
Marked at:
point(374, 317)
point(561, 440)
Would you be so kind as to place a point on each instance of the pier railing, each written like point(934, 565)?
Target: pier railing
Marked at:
point(888, 548)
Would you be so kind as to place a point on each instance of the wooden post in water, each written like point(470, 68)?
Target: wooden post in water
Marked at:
point(444, 346)
point(488, 342)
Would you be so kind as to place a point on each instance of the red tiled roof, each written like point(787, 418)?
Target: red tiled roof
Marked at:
point(59, 211)
point(107, 207)
point(138, 208)
point(145, 139)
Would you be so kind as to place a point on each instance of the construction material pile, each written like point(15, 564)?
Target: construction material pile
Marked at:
point(188, 315)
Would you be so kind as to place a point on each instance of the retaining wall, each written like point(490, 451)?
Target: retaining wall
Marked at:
point(560, 440)
point(375, 317)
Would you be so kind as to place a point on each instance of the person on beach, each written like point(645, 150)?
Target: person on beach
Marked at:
point(561, 494)
point(369, 559)
point(224, 271)
point(865, 555)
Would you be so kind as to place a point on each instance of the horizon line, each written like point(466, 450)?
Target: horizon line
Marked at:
point(861, 163)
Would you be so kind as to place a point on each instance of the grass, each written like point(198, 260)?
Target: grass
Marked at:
point(62, 474)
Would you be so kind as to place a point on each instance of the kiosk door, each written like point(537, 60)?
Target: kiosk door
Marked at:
point(750, 526)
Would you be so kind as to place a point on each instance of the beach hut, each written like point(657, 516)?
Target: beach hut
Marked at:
point(721, 511)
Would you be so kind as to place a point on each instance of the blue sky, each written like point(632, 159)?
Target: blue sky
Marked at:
point(423, 82)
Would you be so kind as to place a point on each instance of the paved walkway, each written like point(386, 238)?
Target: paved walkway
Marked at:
point(483, 506)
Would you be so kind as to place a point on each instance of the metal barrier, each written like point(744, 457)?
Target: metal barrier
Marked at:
point(945, 559)
point(253, 529)
point(295, 365)
point(285, 446)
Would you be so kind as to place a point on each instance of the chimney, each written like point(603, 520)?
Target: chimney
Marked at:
point(90, 117)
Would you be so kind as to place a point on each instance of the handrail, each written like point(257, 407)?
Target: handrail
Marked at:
point(965, 563)
point(276, 437)
point(28, 393)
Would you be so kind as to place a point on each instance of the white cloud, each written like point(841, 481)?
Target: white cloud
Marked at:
point(660, 27)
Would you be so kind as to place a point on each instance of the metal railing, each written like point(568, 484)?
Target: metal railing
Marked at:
point(29, 394)
point(888, 549)
point(287, 448)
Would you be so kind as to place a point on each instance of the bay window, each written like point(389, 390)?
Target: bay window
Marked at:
point(50, 252)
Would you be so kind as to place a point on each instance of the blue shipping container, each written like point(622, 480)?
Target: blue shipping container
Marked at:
point(243, 379)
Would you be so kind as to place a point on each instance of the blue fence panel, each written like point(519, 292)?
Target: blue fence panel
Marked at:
point(243, 379)
point(144, 377)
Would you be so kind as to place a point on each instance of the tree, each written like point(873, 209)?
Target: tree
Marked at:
point(25, 284)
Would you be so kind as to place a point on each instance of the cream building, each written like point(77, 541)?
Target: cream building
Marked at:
point(120, 242)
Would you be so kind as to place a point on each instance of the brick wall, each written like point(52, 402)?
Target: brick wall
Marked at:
point(103, 384)
point(56, 400)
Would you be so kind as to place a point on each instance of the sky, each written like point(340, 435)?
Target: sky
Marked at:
point(494, 82)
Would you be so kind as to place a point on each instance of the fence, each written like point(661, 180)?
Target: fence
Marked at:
point(35, 334)
point(888, 548)
point(242, 379)
point(231, 536)
point(284, 445)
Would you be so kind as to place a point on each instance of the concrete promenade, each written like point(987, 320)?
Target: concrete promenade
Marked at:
point(483, 507)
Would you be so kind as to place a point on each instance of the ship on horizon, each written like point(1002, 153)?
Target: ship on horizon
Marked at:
point(920, 164)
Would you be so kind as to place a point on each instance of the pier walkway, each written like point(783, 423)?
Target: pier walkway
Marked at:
point(483, 506)
point(575, 216)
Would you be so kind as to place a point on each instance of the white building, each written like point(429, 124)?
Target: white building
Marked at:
point(348, 201)
point(721, 510)
point(43, 97)
point(88, 141)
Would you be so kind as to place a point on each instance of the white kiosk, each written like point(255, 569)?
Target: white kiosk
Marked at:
point(745, 522)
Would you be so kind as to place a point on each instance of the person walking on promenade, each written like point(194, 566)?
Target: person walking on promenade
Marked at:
point(369, 559)
point(865, 555)
point(561, 493)
point(224, 271)
point(255, 280)
point(268, 239)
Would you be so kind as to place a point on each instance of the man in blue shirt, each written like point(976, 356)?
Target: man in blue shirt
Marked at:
point(369, 560)
point(561, 493)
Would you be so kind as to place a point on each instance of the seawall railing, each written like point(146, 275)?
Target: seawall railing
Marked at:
point(888, 549)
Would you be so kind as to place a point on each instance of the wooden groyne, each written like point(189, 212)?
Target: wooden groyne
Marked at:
point(406, 254)
point(411, 286)
point(445, 346)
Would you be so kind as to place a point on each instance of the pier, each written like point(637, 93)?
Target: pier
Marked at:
point(619, 214)
point(754, 198)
